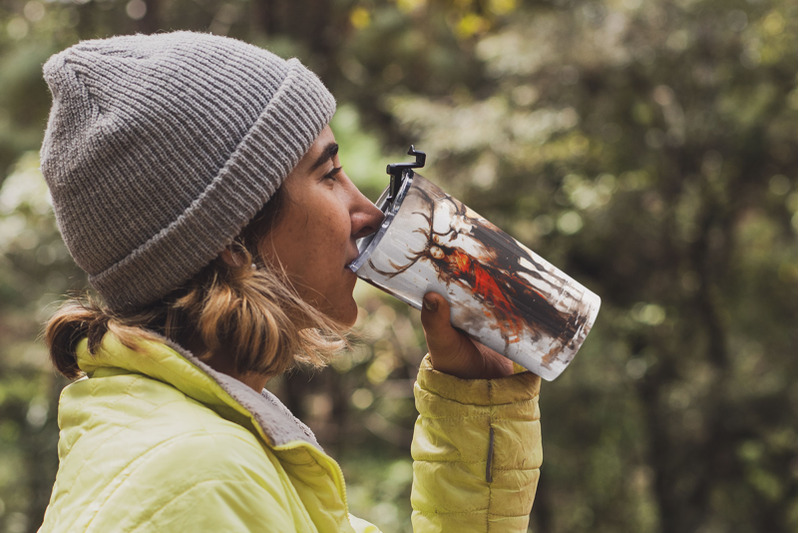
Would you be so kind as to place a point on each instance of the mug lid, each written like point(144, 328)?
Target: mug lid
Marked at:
point(389, 203)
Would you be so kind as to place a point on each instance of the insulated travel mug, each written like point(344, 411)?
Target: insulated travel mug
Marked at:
point(500, 292)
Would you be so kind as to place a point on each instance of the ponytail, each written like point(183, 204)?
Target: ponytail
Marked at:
point(66, 328)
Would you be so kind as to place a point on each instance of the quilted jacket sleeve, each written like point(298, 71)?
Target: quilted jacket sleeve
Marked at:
point(477, 450)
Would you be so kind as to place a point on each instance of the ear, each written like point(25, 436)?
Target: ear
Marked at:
point(233, 258)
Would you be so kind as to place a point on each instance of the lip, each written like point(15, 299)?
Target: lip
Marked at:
point(352, 257)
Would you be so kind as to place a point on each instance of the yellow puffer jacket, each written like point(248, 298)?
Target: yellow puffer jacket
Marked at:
point(154, 440)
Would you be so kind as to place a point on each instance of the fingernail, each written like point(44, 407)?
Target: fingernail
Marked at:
point(430, 304)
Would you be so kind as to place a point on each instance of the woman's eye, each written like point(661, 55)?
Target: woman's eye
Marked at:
point(333, 174)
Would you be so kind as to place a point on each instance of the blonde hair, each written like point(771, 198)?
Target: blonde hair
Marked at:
point(248, 315)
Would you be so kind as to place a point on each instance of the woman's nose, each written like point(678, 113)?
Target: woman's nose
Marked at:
point(366, 216)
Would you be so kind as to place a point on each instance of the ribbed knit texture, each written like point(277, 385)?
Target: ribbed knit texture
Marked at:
point(159, 149)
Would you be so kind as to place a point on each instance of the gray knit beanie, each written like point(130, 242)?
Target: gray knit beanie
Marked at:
point(159, 149)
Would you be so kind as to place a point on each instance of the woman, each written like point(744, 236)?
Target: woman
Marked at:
point(196, 181)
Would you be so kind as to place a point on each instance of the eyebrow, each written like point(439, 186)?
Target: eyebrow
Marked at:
point(327, 154)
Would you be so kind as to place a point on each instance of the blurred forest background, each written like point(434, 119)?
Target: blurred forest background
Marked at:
point(646, 147)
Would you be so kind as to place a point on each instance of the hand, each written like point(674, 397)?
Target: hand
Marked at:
point(452, 351)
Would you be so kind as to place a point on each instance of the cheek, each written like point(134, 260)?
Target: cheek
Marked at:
point(329, 244)
point(312, 241)
point(333, 230)
point(320, 254)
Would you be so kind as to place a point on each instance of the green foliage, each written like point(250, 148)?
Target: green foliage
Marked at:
point(647, 148)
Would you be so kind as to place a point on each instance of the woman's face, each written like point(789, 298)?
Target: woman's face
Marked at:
point(314, 238)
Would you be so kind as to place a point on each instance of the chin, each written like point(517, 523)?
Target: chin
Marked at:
point(346, 316)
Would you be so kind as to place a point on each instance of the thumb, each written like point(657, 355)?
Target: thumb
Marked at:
point(435, 318)
point(451, 351)
point(447, 346)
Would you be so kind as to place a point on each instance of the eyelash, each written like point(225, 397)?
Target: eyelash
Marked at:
point(332, 174)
